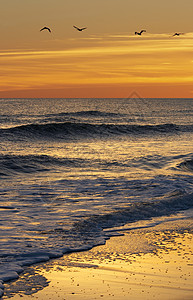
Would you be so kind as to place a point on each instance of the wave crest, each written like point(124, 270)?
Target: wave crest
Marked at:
point(14, 164)
point(136, 212)
point(186, 165)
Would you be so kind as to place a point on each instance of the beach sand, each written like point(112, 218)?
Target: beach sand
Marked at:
point(152, 263)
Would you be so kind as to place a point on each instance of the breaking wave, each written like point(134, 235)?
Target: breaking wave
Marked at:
point(86, 130)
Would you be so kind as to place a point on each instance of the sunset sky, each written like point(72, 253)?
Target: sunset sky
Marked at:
point(105, 60)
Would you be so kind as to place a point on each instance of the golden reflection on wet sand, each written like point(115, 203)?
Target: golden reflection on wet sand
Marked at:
point(119, 270)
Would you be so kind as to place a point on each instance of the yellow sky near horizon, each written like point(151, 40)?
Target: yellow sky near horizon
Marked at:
point(100, 61)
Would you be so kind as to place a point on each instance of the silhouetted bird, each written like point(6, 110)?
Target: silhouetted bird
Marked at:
point(139, 33)
point(46, 28)
point(80, 29)
point(177, 34)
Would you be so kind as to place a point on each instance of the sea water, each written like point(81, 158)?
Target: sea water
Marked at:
point(74, 170)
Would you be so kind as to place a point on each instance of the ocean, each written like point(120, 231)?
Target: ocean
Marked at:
point(76, 171)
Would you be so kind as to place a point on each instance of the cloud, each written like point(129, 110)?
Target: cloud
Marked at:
point(100, 59)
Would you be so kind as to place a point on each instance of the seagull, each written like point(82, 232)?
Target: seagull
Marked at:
point(80, 29)
point(139, 33)
point(177, 34)
point(46, 28)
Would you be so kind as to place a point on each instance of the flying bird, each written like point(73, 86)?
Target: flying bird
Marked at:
point(139, 33)
point(177, 33)
point(79, 29)
point(46, 28)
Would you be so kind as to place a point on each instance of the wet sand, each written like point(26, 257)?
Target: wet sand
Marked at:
point(143, 264)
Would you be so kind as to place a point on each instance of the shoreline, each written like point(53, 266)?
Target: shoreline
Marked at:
point(148, 263)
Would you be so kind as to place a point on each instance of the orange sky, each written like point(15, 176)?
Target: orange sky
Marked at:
point(105, 60)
